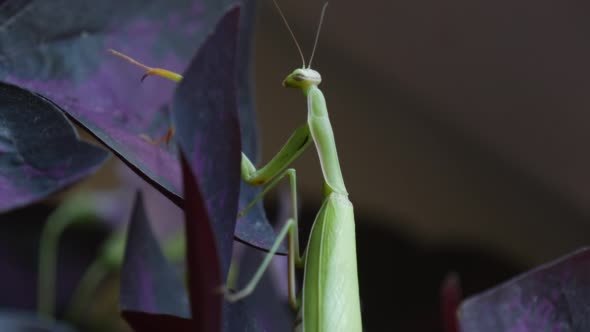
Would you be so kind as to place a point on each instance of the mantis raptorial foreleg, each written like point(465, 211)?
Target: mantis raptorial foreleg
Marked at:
point(271, 175)
point(295, 145)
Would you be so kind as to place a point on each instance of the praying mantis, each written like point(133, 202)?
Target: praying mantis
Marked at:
point(329, 300)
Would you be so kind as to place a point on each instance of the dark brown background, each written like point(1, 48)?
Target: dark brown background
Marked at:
point(459, 121)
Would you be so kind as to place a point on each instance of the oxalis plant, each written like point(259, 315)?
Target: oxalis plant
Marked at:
point(195, 142)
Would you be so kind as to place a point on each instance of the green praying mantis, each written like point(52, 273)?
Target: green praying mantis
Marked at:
point(329, 300)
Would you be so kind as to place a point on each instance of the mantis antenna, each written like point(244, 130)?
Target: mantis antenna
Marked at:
point(317, 35)
point(290, 31)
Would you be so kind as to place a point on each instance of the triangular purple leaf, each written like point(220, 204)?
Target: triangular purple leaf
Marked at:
point(450, 296)
point(207, 130)
point(65, 60)
point(152, 291)
point(153, 297)
point(202, 258)
point(252, 229)
point(40, 151)
point(553, 297)
point(211, 208)
point(209, 311)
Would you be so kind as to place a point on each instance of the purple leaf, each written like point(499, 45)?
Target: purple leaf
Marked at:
point(66, 61)
point(149, 283)
point(204, 113)
point(553, 297)
point(29, 322)
point(239, 318)
point(153, 297)
point(252, 229)
point(40, 151)
point(207, 131)
point(268, 303)
point(202, 258)
point(450, 295)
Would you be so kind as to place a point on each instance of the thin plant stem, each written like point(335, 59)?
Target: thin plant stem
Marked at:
point(94, 275)
point(48, 247)
point(72, 211)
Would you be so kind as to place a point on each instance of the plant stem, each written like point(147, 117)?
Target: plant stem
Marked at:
point(75, 210)
point(47, 265)
point(92, 278)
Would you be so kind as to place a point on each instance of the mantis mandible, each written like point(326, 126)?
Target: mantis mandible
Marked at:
point(329, 300)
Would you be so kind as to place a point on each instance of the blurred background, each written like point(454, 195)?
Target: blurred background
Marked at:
point(461, 129)
point(457, 122)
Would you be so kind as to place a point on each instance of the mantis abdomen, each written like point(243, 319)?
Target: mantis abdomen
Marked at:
point(330, 288)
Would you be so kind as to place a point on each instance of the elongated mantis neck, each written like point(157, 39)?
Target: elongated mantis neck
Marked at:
point(307, 80)
point(323, 137)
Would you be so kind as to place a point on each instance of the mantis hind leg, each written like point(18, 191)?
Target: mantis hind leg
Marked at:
point(291, 229)
point(288, 229)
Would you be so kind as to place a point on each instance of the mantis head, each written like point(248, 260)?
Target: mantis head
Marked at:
point(302, 78)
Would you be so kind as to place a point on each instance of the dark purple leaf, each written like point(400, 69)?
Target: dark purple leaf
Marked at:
point(254, 227)
point(66, 60)
point(268, 303)
point(152, 295)
point(239, 318)
point(212, 201)
point(30, 322)
point(202, 257)
point(553, 297)
point(152, 292)
point(450, 296)
point(58, 49)
point(207, 131)
point(40, 152)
